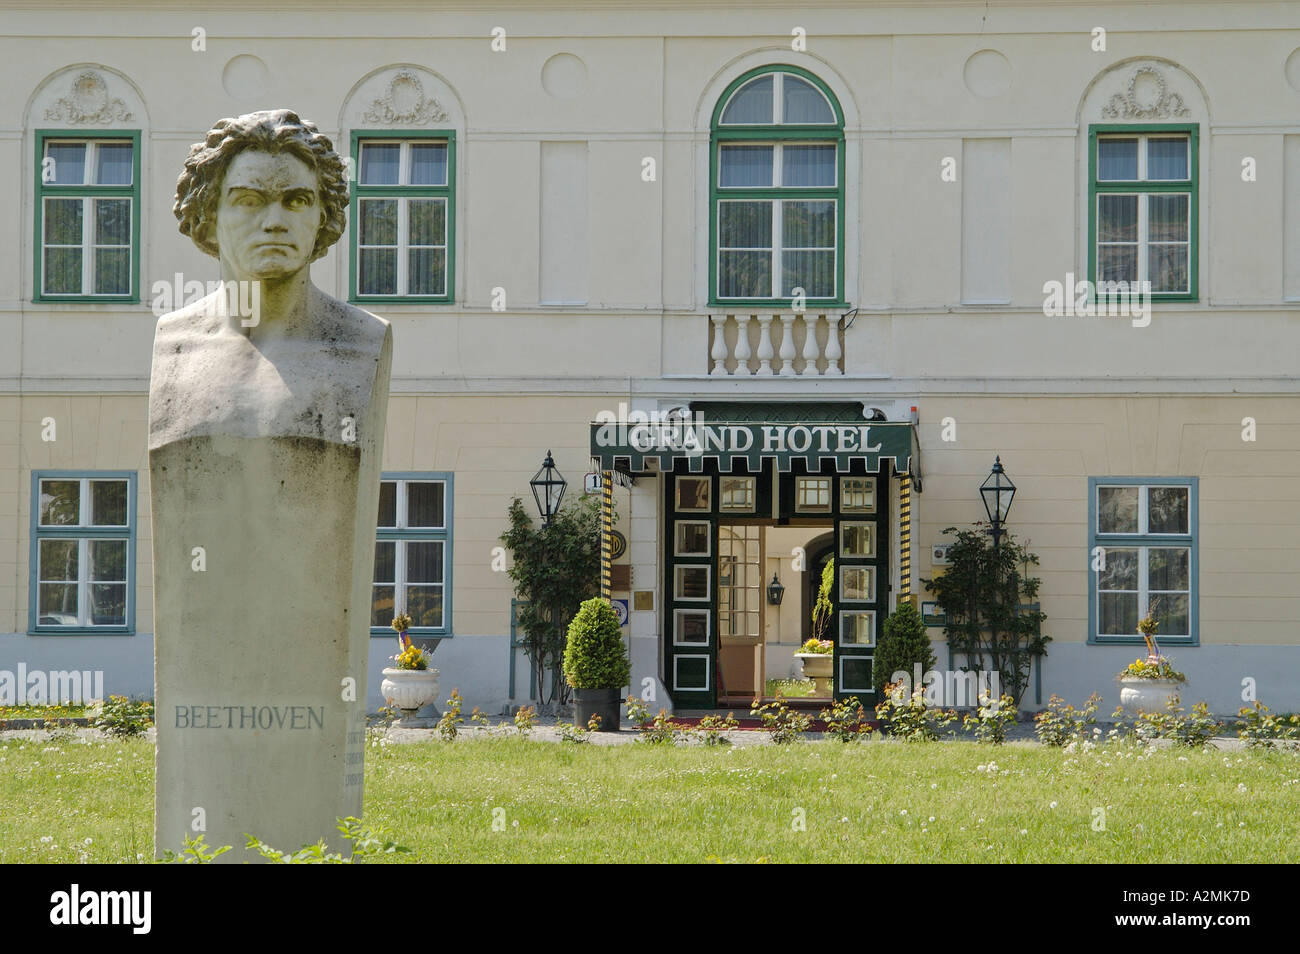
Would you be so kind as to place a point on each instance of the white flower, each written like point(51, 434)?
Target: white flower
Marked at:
point(1024, 831)
point(903, 812)
point(1052, 805)
point(931, 818)
point(934, 785)
point(87, 841)
point(1241, 787)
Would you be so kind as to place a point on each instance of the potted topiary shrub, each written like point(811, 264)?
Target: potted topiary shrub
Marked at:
point(904, 644)
point(596, 665)
point(1149, 685)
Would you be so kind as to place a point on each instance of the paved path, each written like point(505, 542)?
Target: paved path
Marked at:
point(545, 730)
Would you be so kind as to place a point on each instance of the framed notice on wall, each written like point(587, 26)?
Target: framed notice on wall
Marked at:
point(931, 615)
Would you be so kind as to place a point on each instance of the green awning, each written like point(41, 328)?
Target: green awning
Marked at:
point(635, 442)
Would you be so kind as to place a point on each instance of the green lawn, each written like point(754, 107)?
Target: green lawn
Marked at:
point(790, 688)
point(878, 801)
point(42, 712)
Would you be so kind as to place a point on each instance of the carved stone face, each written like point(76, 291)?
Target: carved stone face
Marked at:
point(268, 215)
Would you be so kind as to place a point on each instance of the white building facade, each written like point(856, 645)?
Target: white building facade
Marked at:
point(840, 216)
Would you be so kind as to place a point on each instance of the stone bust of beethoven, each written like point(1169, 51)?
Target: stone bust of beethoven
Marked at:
point(265, 444)
point(265, 193)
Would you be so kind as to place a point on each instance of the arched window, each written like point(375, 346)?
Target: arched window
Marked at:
point(777, 191)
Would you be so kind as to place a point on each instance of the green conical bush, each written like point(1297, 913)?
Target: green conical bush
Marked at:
point(595, 656)
point(904, 643)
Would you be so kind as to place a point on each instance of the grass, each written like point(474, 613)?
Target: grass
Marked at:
point(868, 802)
point(42, 712)
point(790, 688)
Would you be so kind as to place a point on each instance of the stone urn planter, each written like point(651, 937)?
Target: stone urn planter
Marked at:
point(1148, 695)
point(410, 690)
point(818, 667)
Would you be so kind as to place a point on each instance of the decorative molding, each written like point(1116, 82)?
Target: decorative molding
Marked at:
point(406, 103)
point(1157, 103)
point(88, 102)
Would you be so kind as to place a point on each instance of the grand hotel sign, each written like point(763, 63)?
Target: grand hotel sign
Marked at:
point(696, 441)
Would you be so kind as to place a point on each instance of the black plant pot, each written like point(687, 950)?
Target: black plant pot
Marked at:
point(602, 702)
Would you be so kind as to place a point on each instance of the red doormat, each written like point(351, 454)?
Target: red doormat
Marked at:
point(756, 725)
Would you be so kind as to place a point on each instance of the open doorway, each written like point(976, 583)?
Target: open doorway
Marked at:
point(797, 556)
point(727, 536)
point(757, 640)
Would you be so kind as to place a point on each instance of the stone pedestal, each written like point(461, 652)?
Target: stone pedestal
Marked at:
point(264, 466)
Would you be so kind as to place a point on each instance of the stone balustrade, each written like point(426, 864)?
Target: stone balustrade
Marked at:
point(784, 345)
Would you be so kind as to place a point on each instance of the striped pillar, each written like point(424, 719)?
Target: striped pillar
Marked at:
point(607, 536)
point(905, 536)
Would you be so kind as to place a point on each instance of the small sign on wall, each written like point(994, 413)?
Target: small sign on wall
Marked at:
point(621, 611)
point(931, 615)
point(644, 599)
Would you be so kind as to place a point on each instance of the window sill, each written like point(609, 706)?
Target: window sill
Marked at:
point(387, 633)
point(399, 300)
point(1165, 642)
point(85, 300)
point(82, 631)
point(778, 304)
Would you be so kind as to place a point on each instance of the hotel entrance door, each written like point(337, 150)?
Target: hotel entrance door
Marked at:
point(740, 608)
point(714, 564)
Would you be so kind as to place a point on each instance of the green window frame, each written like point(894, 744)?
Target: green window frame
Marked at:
point(82, 557)
point(1148, 558)
point(1153, 236)
point(87, 232)
point(780, 228)
point(413, 224)
point(404, 543)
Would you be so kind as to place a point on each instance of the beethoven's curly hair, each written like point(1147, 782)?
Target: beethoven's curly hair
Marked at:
point(271, 130)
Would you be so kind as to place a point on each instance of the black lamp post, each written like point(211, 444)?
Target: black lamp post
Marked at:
point(997, 491)
point(548, 489)
point(775, 591)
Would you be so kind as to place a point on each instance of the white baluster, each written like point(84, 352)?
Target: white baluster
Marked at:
point(810, 349)
point(833, 350)
point(786, 368)
point(719, 352)
point(743, 351)
point(765, 345)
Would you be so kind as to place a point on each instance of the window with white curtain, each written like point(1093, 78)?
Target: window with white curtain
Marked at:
point(1144, 208)
point(402, 217)
point(87, 217)
point(778, 196)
